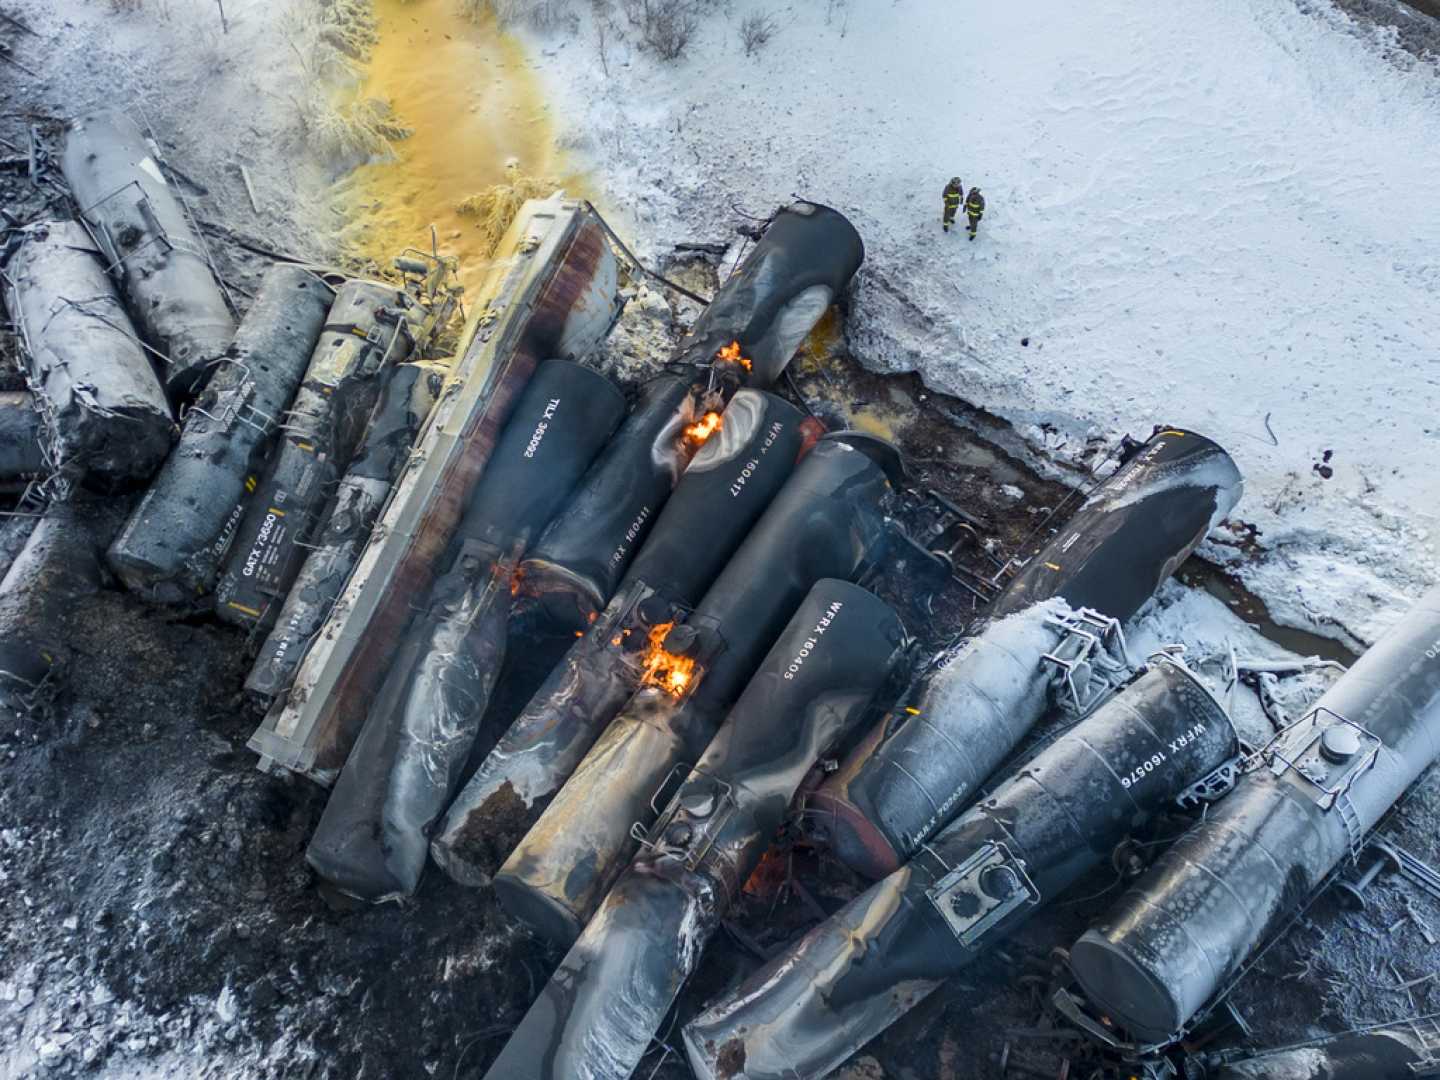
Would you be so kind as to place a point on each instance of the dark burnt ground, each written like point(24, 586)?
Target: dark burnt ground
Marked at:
point(158, 918)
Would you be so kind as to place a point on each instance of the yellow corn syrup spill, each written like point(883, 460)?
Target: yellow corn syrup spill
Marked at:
point(464, 90)
point(823, 341)
point(821, 348)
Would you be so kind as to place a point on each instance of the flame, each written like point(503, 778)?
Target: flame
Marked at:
point(731, 353)
point(702, 429)
point(669, 672)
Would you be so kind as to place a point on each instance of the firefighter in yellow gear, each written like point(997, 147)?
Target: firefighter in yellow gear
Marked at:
point(954, 195)
point(974, 210)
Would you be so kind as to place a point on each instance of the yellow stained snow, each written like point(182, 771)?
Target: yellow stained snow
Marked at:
point(479, 130)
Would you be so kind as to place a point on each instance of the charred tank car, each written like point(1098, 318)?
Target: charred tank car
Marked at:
point(600, 1010)
point(828, 521)
point(1182, 932)
point(371, 842)
point(1057, 816)
point(744, 338)
point(1054, 627)
point(724, 491)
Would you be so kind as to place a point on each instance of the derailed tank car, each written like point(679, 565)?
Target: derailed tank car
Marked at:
point(141, 225)
point(172, 546)
point(553, 292)
point(405, 400)
point(107, 418)
point(1061, 813)
point(744, 338)
point(371, 326)
point(964, 715)
point(828, 521)
point(372, 840)
point(1184, 929)
point(724, 491)
point(616, 984)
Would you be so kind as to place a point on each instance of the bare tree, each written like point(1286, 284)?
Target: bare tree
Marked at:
point(756, 30)
point(604, 31)
point(666, 27)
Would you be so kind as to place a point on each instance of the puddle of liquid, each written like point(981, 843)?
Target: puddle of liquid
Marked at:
point(873, 422)
point(823, 341)
point(473, 106)
point(1252, 609)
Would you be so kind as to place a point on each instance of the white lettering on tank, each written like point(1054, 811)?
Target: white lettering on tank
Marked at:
point(542, 427)
point(808, 645)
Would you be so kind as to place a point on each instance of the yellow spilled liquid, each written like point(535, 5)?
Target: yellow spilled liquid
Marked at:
point(476, 114)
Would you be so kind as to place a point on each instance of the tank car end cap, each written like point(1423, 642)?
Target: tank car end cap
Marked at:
point(345, 872)
point(850, 836)
point(542, 913)
point(881, 451)
point(1123, 990)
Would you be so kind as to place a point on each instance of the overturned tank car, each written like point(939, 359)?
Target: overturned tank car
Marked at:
point(745, 337)
point(827, 521)
point(552, 293)
point(960, 718)
point(1181, 934)
point(601, 1009)
point(371, 842)
point(1059, 814)
point(727, 487)
point(141, 224)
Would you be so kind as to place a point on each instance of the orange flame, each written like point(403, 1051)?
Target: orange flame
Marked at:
point(669, 672)
point(731, 353)
point(702, 429)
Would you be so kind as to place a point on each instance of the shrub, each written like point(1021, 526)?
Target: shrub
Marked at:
point(356, 130)
point(756, 30)
point(666, 27)
point(493, 209)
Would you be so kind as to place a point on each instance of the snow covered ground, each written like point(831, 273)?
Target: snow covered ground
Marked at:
point(1221, 214)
